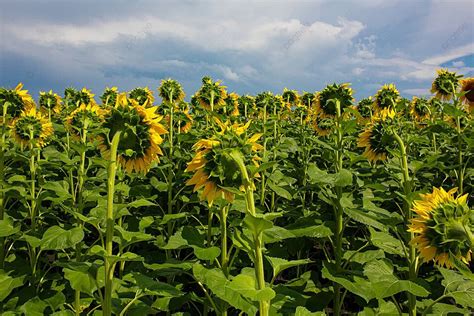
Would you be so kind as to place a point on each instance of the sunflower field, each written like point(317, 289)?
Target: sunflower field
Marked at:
point(141, 203)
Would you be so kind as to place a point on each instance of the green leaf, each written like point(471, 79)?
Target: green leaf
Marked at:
point(56, 238)
point(257, 224)
point(34, 307)
point(8, 284)
point(7, 227)
point(364, 217)
point(343, 178)
point(280, 191)
point(246, 285)
point(140, 203)
point(386, 242)
point(302, 311)
point(216, 281)
point(279, 264)
point(151, 286)
point(81, 281)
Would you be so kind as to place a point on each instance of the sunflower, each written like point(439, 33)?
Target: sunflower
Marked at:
point(214, 169)
point(143, 96)
point(445, 84)
point(377, 138)
point(109, 97)
point(323, 125)
point(50, 101)
point(82, 117)
point(211, 95)
point(386, 98)
point(263, 103)
point(18, 100)
point(231, 107)
point(140, 134)
point(290, 98)
point(419, 109)
point(31, 128)
point(185, 122)
point(443, 227)
point(325, 100)
point(85, 96)
point(364, 108)
point(69, 96)
point(467, 88)
point(171, 91)
point(246, 105)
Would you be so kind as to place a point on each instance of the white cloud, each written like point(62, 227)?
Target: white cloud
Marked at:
point(454, 53)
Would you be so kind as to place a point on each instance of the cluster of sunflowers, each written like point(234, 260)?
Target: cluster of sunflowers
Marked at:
point(226, 146)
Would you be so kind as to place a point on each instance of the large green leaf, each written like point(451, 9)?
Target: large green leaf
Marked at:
point(8, 284)
point(56, 238)
point(279, 264)
point(81, 281)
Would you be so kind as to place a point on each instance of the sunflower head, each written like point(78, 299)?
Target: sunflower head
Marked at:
point(109, 96)
point(467, 90)
point(31, 128)
point(327, 99)
point(231, 107)
point(420, 109)
point(307, 99)
point(50, 101)
point(69, 96)
point(264, 102)
point(365, 109)
point(84, 96)
point(17, 100)
point(171, 91)
point(143, 96)
point(246, 104)
point(443, 227)
point(323, 125)
point(211, 96)
point(377, 138)
point(290, 97)
point(185, 122)
point(445, 84)
point(82, 118)
point(140, 134)
point(386, 98)
point(213, 166)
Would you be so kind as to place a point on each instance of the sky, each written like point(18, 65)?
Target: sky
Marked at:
point(252, 46)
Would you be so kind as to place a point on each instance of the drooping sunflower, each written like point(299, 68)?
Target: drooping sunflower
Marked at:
point(85, 96)
point(214, 169)
point(231, 107)
point(325, 100)
point(290, 98)
point(69, 97)
point(365, 109)
point(140, 134)
point(323, 125)
point(467, 88)
point(50, 101)
point(31, 128)
point(377, 138)
point(185, 122)
point(419, 109)
point(445, 84)
point(264, 102)
point(171, 91)
point(18, 100)
point(246, 105)
point(109, 96)
point(386, 98)
point(83, 116)
point(143, 96)
point(211, 95)
point(443, 227)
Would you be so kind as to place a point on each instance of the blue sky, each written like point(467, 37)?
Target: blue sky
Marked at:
point(252, 46)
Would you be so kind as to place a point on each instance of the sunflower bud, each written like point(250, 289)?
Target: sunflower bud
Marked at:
point(109, 97)
point(445, 84)
point(171, 91)
point(326, 99)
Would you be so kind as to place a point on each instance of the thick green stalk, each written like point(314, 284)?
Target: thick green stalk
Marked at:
point(170, 170)
point(110, 223)
point(2, 178)
point(224, 254)
point(338, 212)
point(257, 237)
point(264, 154)
point(406, 185)
point(460, 157)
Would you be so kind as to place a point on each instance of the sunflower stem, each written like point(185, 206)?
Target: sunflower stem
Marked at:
point(460, 156)
point(224, 254)
point(264, 153)
point(338, 211)
point(407, 188)
point(2, 177)
point(170, 170)
point(110, 223)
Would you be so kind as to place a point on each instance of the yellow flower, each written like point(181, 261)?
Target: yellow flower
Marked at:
point(467, 88)
point(323, 125)
point(377, 138)
point(232, 104)
point(365, 109)
point(211, 95)
point(445, 84)
point(386, 98)
point(443, 226)
point(290, 98)
point(31, 129)
point(143, 96)
point(49, 101)
point(109, 97)
point(326, 99)
point(419, 109)
point(140, 134)
point(213, 170)
point(82, 116)
point(18, 100)
point(171, 91)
